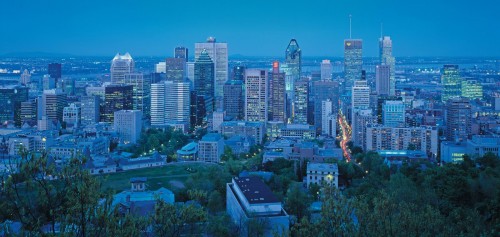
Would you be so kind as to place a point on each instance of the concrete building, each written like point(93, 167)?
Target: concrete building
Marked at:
point(256, 95)
point(11, 98)
point(451, 82)
point(141, 91)
point(386, 58)
point(128, 125)
point(90, 109)
point(277, 94)
point(121, 65)
point(452, 152)
point(301, 100)
point(53, 103)
point(234, 102)
point(458, 119)
point(116, 97)
point(254, 130)
point(25, 77)
point(217, 120)
point(188, 152)
point(472, 89)
point(479, 145)
point(292, 67)
point(181, 52)
point(72, 116)
point(175, 69)
point(321, 91)
point(353, 62)
point(298, 131)
point(382, 79)
point(319, 173)
point(361, 119)
point(170, 102)
point(326, 70)
point(249, 199)
point(211, 148)
point(393, 113)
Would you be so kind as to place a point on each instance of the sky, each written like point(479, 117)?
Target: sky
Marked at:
point(250, 27)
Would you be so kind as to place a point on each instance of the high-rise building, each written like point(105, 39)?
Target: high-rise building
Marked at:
point(326, 113)
point(55, 71)
point(326, 70)
point(10, 103)
point(116, 97)
point(25, 78)
point(234, 104)
point(128, 125)
point(239, 73)
point(278, 94)
point(451, 82)
point(161, 67)
point(90, 109)
point(361, 119)
point(458, 119)
point(211, 148)
point(72, 116)
point(383, 79)
point(28, 112)
point(219, 54)
point(190, 72)
point(353, 62)
point(53, 103)
point(393, 113)
point(472, 89)
point(48, 82)
point(170, 103)
point(292, 67)
point(300, 105)
point(181, 52)
point(121, 65)
point(175, 69)
point(199, 105)
point(321, 91)
point(386, 58)
point(204, 75)
point(141, 91)
point(360, 95)
point(256, 101)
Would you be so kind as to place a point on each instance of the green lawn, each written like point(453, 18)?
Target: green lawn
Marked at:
point(157, 176)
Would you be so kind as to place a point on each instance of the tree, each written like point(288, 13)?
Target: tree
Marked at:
point(337, 214)
point(296, 201)
point(173, 220)
point(215, 202)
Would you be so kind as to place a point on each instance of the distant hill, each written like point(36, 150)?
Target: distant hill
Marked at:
point(36, 54)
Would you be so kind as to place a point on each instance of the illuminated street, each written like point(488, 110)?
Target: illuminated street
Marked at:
point(345, 130)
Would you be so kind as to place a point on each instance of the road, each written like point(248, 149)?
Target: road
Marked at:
point(345, 130)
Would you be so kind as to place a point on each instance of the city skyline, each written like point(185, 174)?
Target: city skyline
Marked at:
point(418, 29)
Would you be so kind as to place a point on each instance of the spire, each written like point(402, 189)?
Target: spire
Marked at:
point(350, 26)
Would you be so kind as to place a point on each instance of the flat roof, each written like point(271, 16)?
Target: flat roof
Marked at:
point(255, 191)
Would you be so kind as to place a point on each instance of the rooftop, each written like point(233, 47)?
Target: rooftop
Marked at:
point(211, 137)
point(322, 167)
point(255, 191)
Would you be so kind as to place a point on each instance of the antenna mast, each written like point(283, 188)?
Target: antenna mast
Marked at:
point(350, 26)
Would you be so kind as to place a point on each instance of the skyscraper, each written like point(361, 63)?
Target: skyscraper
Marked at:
point(10, 103)
point(55, 71)
point(239, 73)
point(53, 103)
point(256, 104)
point(326, 114)
point(458, 119)
point(140, 92)
point(451, 82)
point(117, 97)
point(383, 79)
point(25, 78)
point(175, 69)
point(393, 113)
point(300, 105)
point(233, 99)
point(121, 65)
point(170, 102)
point(219, 54)
point(472, 89)
point(326, 70)
point(181, 52)
point(386, 58)
point(321, 91)
point(128, 125)
point(292, 67)
point(278, 94)
point(90, 109)
point(360, 95)
point(204, 75)
point(353, 62)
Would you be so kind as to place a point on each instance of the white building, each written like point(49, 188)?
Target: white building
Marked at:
point(161, 67)
point(256, 95)
point(360, 94)
point(128, 124)
point(121, 65)
point(326, 70)
point(72, 116)
point(393, 113)
point(90, 109)
point(25, 78)
point(97, 91)
point(361, 118)
point(217, 120)
point(319, 173)
point(386, 58)
point(219, 54)
point(478, 146)
point(170, 103)
point(211, 148)
point(328, 126)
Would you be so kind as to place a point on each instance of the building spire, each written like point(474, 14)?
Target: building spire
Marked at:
point(350, 26)
point(381, 30)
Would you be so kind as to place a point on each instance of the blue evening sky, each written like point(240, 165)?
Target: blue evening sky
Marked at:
point(251, 27)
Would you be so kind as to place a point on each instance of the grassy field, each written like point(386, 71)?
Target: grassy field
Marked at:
point(171, 176)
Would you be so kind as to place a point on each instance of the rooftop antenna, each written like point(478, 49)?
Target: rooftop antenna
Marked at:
point(381, 30)
point(350, 26)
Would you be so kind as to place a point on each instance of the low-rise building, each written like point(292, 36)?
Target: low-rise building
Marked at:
point(298, 131)
point(453, 152)
point(211, 148)
point(479, 145)
point(255, 130)
point(142, 162)
point(188, 152)
point(239, 144)
point(319, 173)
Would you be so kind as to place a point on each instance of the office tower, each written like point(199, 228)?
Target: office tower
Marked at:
point(181, 52)
point(55, 71)
point(278, 94)
point(170, 103)
point(175, 69)
point(121, 65)
point(217, 120)
point(67, 85)
point(199, 105)
point(451, 82)
point(323, 90)
point(326, 114)
point(472, 89)
point(234, 103)
point(28, 112)
point(238, 73)
point(49, 82)
point(204, 75)
point(458, 119)
point(161, 67)
point(326, 70)
point(360, 95)
point(361, 119)
point(292, 66)
point(128, 125)
point(53, 103)
point(424, 138)
point(353, 62)
point(72, 116)
point(219, 54)
point(90, 109)
point(383, 79)
point(11, 98)
point(300, 104)
point(97, 91)
point(116, 97)
point(256, 102)
point(25, 78)
point(386, 58)
point(190, 72)
point(393, 113)
point(141, 91)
